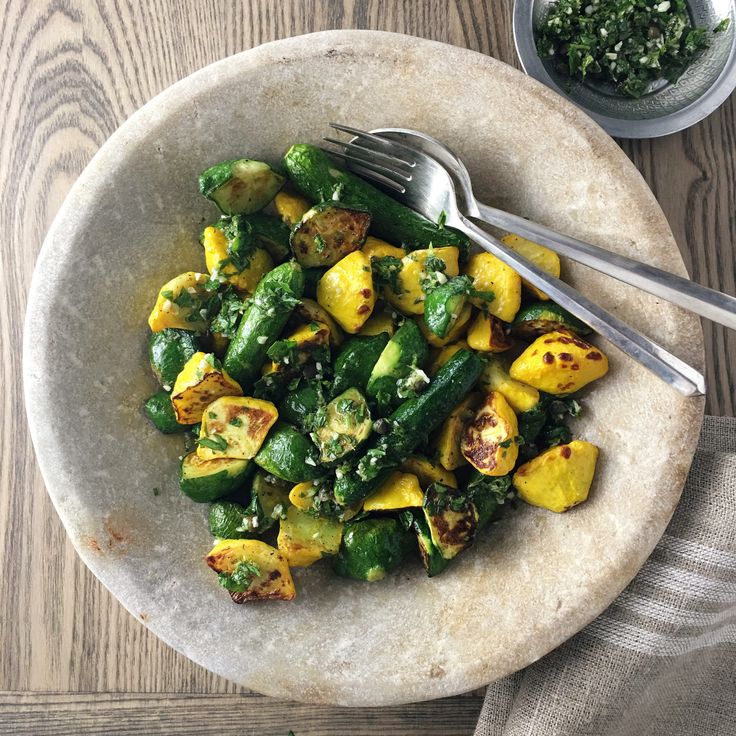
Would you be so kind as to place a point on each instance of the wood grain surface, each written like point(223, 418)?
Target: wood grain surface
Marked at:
point(72, 660)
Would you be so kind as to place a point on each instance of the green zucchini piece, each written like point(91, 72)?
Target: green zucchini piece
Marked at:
point(411, 423)
point(226, 520)
point(208, 480)
point(241, 186)
point(432, 559)
point(315, 174)
point(345, 423)
point(159, 409)
point(311, 279)
point(397, 374)
point(274, 299)
point(168, 351)
point(268, 502)
point(305, 538)
point(542, 317)
point(272, 234)
point(443, 305)
point(451, 517)
point(327, 233)
point(299, 406)
point(355, 362)
point(288, 455)
point(371, 548)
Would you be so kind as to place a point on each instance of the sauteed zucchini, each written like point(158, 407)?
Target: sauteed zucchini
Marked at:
point(353, 383)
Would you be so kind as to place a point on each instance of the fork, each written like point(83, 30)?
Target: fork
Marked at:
point(687, 294)
point(422, 184)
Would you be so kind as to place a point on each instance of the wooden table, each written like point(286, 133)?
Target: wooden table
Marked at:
point(72, 660)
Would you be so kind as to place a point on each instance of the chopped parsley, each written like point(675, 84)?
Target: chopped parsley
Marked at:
point(284, 352)
point(386, 272)
point(241, 578)
point(498, 487)
point(722, 26)
point(183, 299)
point(627, 43)
point(274, 299)
point(241, 242)
point(371, 464)
point(319, 243)
point(228, 316)
point(434, 272)
point(440, 498)
point(217, 442)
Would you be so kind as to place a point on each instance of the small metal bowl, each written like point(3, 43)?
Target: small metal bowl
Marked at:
point(666, 108)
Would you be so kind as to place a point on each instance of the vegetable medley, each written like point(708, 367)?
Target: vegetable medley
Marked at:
point(354, 383)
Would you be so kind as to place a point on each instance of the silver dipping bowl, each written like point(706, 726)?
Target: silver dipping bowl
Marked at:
point(666, 108)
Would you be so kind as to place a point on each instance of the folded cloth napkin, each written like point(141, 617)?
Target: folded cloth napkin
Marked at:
point(661, 660)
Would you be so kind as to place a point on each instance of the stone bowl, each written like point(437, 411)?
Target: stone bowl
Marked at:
point(132, 221)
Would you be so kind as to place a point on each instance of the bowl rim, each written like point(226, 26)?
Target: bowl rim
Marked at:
point(697, 110)
point(148, 115)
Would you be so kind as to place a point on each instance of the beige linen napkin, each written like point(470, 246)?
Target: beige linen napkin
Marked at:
point(661, 660)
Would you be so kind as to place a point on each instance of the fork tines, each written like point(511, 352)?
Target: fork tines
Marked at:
point(389, 169)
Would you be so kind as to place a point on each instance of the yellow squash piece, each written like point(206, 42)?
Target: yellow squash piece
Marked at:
point(444, 355)
point(455, 333)
point(377, 248)
point(178, 303)
point(346, 291)
point(201, 381)
point(398, 491)
point(273, 581)
point(520, 396)
point(216, 257)
point(428, 472)
point(447, 441)
point(308, 339)
point(301, 495)
point(309, 311)
point(411, 298)
point(489, 441)
point(451, 530)
point(377, 323)
point(490, 274)
point(290, 206)
point(236, 424)
point(486, 334)
point(559, 362)
point(559, 478)
point(543, 257)
point(303, 538)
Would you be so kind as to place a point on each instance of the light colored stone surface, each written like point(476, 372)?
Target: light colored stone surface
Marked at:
point(132, 221)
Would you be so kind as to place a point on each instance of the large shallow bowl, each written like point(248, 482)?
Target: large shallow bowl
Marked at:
point(132, 221)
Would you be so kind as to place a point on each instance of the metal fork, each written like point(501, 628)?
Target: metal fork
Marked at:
point(708, 303)
point(421, 183)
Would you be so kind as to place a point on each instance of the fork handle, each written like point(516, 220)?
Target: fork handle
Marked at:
point(708, 303)
point(652, 356)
